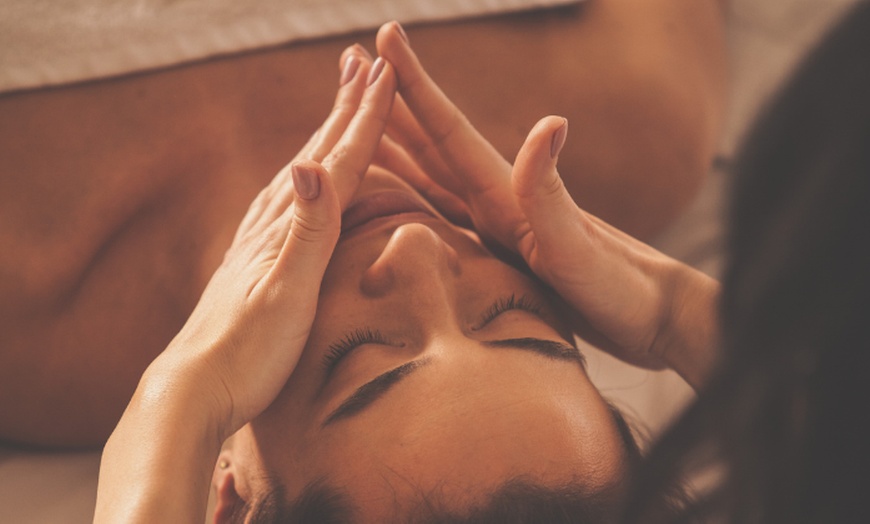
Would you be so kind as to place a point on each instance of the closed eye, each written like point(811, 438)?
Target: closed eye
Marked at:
point(362, 336)
point(351, 341)
point(504, 304)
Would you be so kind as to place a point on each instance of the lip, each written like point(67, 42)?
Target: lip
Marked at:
point(379, 205)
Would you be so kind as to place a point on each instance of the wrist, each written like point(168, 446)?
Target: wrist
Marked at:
point(173, 392)
point(157, 463)
point(688, 339)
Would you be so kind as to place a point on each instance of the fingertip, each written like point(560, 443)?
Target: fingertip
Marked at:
point(356, 50)
point(376, 70)
point(382, 77)
point(328, 196)
point(360, 50)
point(315, 190)
point(390, 33)
point(306, 180)
point(535, 164)
point(392, 43)
point(544, 141)
point(558, 137)
point(351, 65)
point(396, 27)
point(549, 125)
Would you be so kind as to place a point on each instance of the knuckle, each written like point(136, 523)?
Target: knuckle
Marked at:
point(342, 166)
point(308, 229)
point(551, 186)
point(339, 152)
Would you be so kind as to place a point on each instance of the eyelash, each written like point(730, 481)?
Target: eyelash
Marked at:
point(505, 304)
point(350, 342)
point(363, 336)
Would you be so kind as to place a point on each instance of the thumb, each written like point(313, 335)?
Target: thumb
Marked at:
point(315, 223)
point(540, 192)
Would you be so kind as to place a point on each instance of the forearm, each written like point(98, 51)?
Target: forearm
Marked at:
point(157, 464)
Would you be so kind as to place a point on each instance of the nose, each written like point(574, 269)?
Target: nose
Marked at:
point(417, 261)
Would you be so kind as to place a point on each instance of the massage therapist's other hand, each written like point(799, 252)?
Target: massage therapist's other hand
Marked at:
point(630, 300)
point(246, 334)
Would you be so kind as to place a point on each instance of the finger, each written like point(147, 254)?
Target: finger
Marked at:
point(275, 198)
point(314, 224)
point(465, 151)
point(352, 85)
point(359, 51)
point(540, 192)
point(305, 235)
point(406, 131)
point(396, 159)
point(350, 157)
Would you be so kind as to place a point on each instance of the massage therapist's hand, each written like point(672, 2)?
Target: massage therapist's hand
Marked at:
point(246, 334)
point(631, 300)
point(253, 320)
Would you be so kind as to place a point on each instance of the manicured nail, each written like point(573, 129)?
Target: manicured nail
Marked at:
point(377, 68)
point(558, 139)
point(305, 181)
point(402, 32)
point(363, 51)
point(349, 70)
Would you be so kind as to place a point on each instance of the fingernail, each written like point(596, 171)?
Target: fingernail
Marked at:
point(558, 139)
point(305, 181)
point(350, 67)
point(363, 51)
point(377, 68)
point(402, 32)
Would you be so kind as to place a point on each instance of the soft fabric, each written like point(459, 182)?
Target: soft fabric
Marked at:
point(50, 42)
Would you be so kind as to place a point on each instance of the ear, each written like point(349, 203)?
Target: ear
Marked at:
point(227, 499)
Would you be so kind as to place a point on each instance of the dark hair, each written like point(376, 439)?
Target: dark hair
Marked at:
point(783, 424)
point(515, 501)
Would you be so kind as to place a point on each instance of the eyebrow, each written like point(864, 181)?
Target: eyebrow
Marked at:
point(548, 348)
point(373, 390)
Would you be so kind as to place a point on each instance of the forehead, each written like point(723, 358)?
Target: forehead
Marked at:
point(472, 423)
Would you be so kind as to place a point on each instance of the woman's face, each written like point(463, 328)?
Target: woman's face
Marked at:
point(431, 366)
